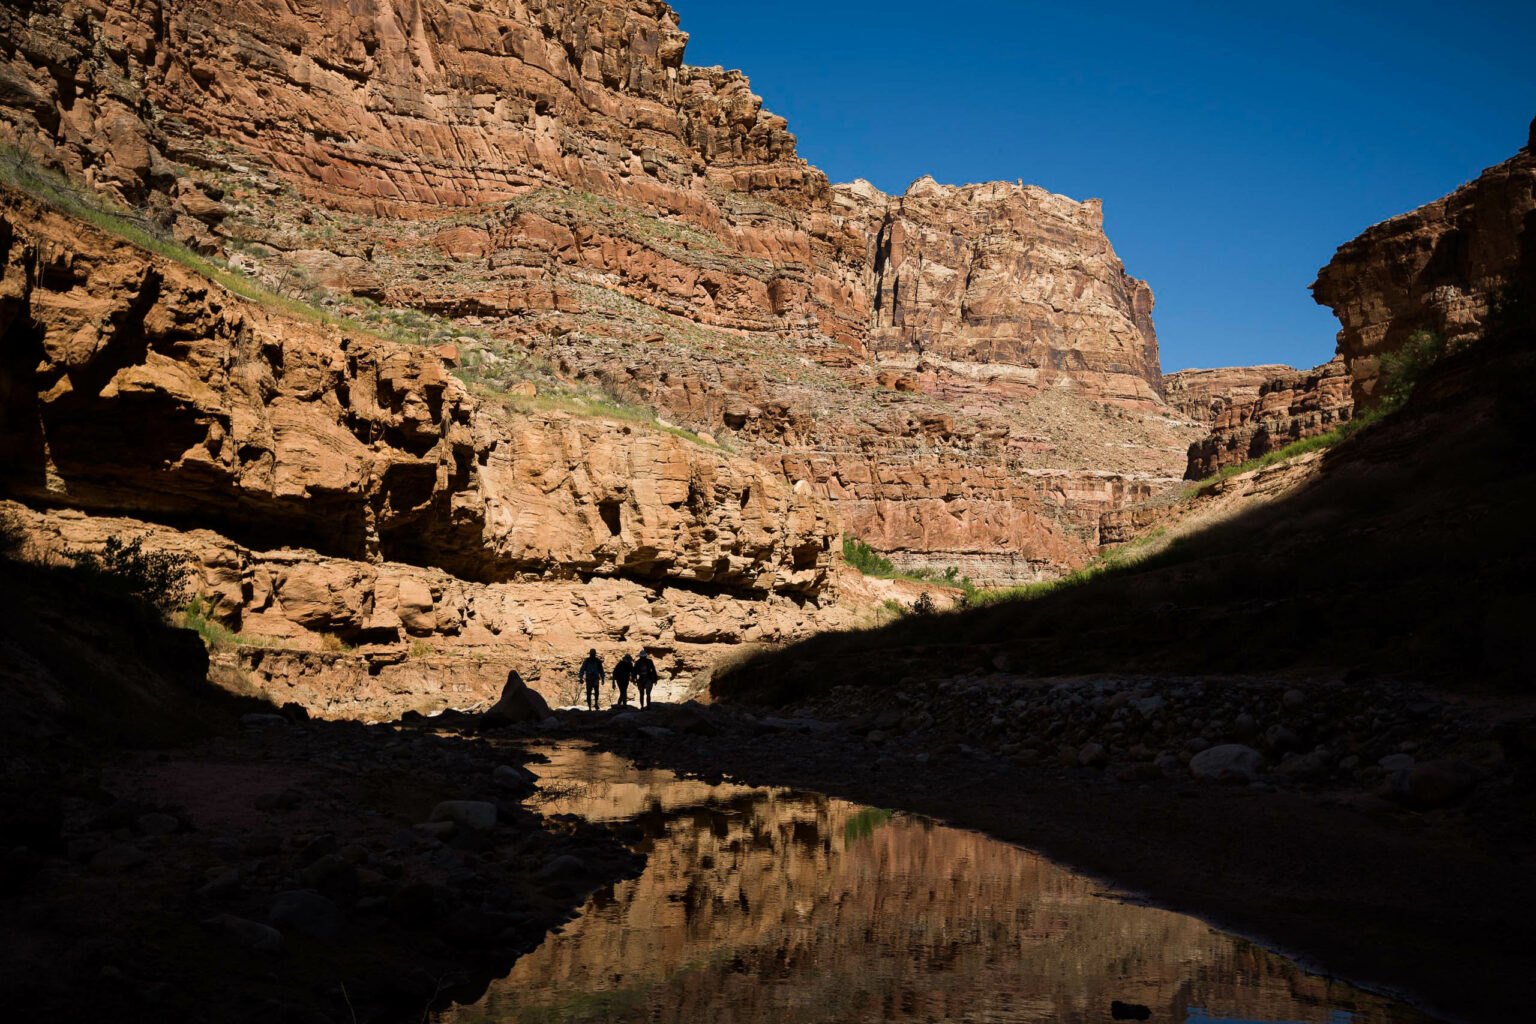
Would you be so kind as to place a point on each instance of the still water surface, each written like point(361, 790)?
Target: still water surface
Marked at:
point(767, 905)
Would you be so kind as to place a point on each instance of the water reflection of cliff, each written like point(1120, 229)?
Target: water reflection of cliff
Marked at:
point(763, 905)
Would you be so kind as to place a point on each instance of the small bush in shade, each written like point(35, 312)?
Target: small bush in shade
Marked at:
point(1401, 371)
point(156, 577)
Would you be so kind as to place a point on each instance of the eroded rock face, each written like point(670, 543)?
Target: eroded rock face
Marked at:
point(1003, 279)
point(1284, 409)
point(373, 639)
point(134, 385)
point(1435, 268)
point(1203, 395)
point(552, 176)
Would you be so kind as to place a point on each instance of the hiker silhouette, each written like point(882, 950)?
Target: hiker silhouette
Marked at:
point(591, 674)
point(621, 676)
point(645, 677)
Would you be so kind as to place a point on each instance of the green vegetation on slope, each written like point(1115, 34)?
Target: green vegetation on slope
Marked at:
point(20, 172)
point(870, 562)
point(1400, 372)
point(488, 366)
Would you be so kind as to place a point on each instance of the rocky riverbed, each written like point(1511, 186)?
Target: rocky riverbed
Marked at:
point(1380, 831)
point(307, 871)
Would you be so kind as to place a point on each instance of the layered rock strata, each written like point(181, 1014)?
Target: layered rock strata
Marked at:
point(551, 182)
point(1203, 395)
point(133, 384)
point(1006, 280)
point(349, 638)
point(1290, 407)
point(362, 498)
point(1436, 268)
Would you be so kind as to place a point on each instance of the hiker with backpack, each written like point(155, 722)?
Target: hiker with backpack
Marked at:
point(645, 677)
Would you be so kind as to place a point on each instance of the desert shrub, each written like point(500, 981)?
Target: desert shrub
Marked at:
point(871, 563)
point(157, 578)
point(865, 558)
point(10, 535)
point(1401, 371)
point(335, 644)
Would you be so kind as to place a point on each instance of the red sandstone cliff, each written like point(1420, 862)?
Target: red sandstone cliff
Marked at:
point(1202, 395)
point(1435, 268)
point(966, 375)
point(350, 491)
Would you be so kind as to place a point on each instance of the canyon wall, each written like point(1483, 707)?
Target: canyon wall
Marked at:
point(353, 498)
point(1006, 280)
point(1203, 395)
point(966, 376)
point(1436, 268)
point(349, 638)
point(1290, 406)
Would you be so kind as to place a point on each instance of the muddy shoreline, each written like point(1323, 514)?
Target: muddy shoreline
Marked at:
point(1428, 906)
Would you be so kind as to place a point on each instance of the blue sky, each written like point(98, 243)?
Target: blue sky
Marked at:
point(1235, 146)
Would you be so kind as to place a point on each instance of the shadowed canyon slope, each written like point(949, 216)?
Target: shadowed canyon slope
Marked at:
point(966, 376)
point(1399, 552)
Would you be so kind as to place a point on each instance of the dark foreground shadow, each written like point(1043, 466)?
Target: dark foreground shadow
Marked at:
point(178, 850)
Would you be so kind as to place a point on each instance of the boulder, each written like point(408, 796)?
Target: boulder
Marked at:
point(119, 857)
point(1280, 739)
point(1434, 784)
point(563, 866)
point(156, 824)
point(250, 934)
point(514, 780)
point(1306, 766)
point(1230, 762)
point(518, 704)
point(473, 814)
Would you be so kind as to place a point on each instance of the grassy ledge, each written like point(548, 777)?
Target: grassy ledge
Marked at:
point(1399, 373)
point(484, 366)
